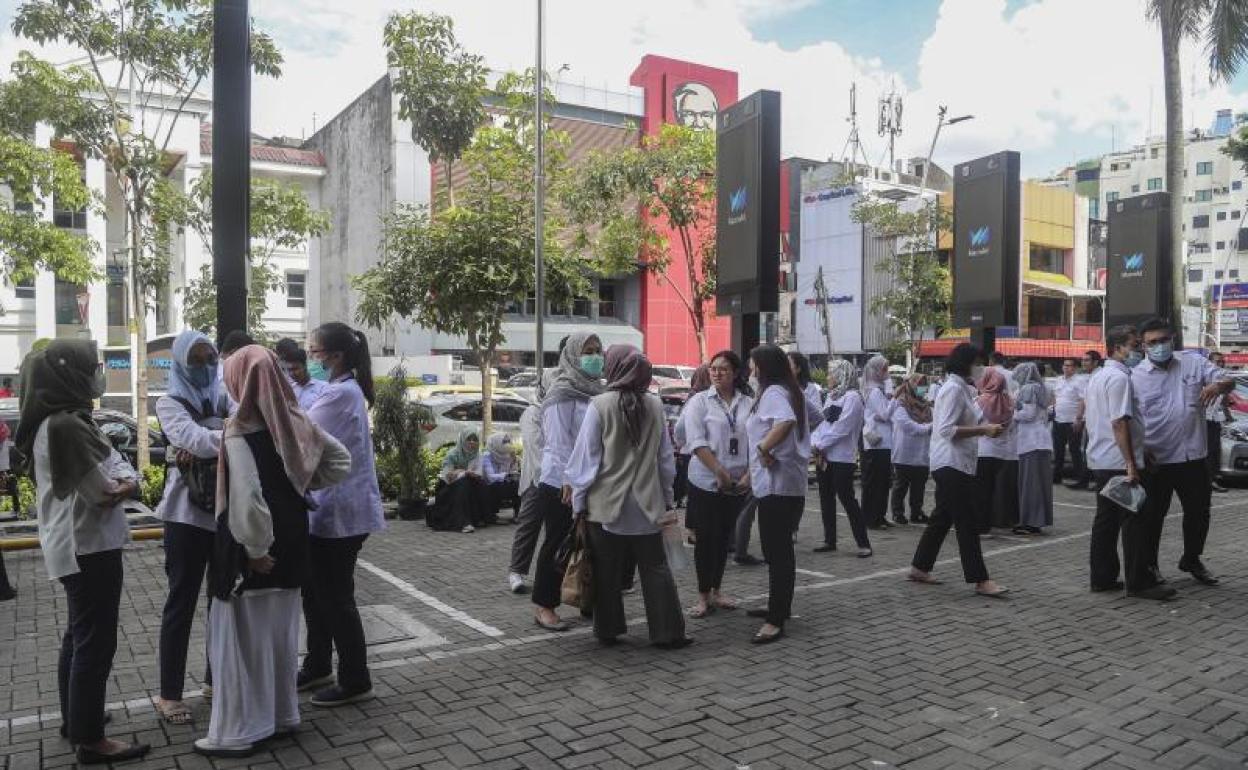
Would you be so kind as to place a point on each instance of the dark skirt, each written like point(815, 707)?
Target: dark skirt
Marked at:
point(464, 501)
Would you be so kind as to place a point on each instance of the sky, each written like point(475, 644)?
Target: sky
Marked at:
point(1056, 80)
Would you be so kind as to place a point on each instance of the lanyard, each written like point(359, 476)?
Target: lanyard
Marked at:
point(731, 416)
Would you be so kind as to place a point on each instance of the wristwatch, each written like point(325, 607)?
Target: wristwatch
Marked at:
point(762, 452)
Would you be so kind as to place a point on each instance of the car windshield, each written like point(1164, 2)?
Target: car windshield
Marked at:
point(666, 371)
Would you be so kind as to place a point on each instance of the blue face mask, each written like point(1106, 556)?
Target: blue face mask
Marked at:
point(1133, 359)
point(1160, 352)
point(201, 375)
point(921, 391)
point(592, 364)
point(317, 371)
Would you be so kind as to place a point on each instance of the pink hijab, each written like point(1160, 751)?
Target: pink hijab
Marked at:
point(994, 399)
point(266, 402)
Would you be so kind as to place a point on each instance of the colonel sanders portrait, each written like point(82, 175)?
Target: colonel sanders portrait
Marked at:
point(694, 105)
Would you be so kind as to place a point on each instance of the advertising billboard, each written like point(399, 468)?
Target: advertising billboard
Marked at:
point(1138, 280)
point(747, 173)
point(833, 241)
point(986, 241)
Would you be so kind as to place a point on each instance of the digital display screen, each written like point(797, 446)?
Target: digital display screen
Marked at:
point(1134, 261)
point(986, 224)
point(737, 200)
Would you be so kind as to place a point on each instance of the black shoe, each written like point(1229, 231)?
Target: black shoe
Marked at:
point(91, 757)
point(1159, 593)
point(340, 696)
point(825, 548)
point(7, 594)
point(748, 560)
point(1198, 570)
point(308, 681)
point(1156, 575)
point(900, 519)
point(608, 641)
point(1114, 586)
point(675, 644)
point(919, 518)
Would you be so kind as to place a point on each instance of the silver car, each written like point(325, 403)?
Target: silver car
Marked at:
point(1234, 450)
point(454, 413)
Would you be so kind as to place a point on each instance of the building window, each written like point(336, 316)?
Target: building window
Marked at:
point(1216, 273)
point(1047, 260)
point(1087, 174)
point(1221, 216)
point(1236, 185)
point(1110, 197)
point(1204, 168)
point(24, 289)
point(1135, 188)
point(296, 287)
point(1220, 245)
point(67, 304)
point(1204, 196)
point(1154, 152)
point(1200, 220)
point(1154, 183)
point(1235, 214)
point(580, 307)
point(606, 300)
point(1193, 275)
point(68, 219)
point(1112, 166)
point(1232, 274)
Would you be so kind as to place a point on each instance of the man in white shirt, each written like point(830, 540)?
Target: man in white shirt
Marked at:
point(294, 362)
point(1172, 391)
point(1068, 421)
point(1116, 448)
point(1215, 417)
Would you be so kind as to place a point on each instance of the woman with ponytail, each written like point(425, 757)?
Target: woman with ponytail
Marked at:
point(341, 519)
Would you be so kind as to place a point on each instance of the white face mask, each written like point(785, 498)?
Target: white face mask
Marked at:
point(977, 373)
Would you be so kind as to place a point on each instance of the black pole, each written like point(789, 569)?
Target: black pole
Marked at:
point(744, 335)
point(985, 338)
point(231, 161)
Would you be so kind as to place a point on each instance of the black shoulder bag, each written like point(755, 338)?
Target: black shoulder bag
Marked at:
point(200, 474)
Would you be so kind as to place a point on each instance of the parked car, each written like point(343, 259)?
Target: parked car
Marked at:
point(670, 376)
point(523, 379)
point(120, 428)
point(453, 413)
point(1234, 450)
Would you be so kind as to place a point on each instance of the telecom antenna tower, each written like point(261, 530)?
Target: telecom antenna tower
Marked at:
point(853, 145)
point(890, 121)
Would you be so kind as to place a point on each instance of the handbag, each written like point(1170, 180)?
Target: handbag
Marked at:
point(577, 589)
point(200, 474)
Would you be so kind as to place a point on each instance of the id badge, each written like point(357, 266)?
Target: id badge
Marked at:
point(733, 446)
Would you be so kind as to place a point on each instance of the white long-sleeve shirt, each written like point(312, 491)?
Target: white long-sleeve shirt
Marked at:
point(711, 424)
point(911, 439)
point(838, 439)
point(787, 475)
point(582, 469)
point(1003, 447)
point(878, 418)
point(954, 408)
point(352, 507)
point(561, 423)
point(1034, 431)
point(201, 440)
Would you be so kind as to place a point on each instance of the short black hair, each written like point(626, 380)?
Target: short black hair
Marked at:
point(1092, 354)
point(1072, 361)
point(1155, 325)
point(962, 358)
point(236, 340)
point(1118, 336)
point(997, 358)
point(288, 350)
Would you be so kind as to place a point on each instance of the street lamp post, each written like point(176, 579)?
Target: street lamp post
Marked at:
point(539, 190)
point(231, 161)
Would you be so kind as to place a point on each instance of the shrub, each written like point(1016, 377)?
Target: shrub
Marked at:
point(399, 439)
point(152, 486)
point(25, 497)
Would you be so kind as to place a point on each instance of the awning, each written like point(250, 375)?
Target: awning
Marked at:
point(1045, 289)
point(1017, 347)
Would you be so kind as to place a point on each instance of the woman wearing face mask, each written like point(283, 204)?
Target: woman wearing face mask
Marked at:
point(191, 416)
point(778, 428)
point(1035, 451)
point(576, 380)
point(877, 442)
point(341, 519)
point(501, 472)
point(836, 442)
point(461, 503)
point(996, 472)
point(912, 432)
point(80, 483)
point(956, 426)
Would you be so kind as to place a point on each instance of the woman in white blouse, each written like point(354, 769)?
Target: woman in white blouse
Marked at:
point(877, 441)
point(912, 432)
point(80, 485)
point(996, 469)
point(778, 429)
point(956, 425)
point(836, 442)
point(1035, 451)
point(719, 473)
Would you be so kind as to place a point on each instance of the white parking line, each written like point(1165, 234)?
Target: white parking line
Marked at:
point(431, 601)
point(812, 573)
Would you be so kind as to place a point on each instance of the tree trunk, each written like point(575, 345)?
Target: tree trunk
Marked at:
point(450, 188)
point(138, 342)
point(1170, 39)
point(484, 358)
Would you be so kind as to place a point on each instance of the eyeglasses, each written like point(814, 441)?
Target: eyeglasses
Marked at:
point(719, 369)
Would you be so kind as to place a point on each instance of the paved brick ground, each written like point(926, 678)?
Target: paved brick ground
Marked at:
point(875, 673)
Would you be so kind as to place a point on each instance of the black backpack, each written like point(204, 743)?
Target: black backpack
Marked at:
point(200, 475)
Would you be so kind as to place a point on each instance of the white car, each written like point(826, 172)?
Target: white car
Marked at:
point(670, 376)
point(454, 413)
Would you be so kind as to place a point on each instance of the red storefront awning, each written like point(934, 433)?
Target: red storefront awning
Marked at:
point(1017, 347)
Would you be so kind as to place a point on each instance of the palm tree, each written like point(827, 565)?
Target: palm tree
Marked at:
point(1223, 25)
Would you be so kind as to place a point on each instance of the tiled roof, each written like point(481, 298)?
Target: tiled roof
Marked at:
point(291, 156)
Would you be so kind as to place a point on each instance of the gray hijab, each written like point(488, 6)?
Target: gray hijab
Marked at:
point(1031, 388)
point(570, 382)
point(842, 378)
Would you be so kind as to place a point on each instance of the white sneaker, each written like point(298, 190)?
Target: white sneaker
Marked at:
point(468, 529)
point(516, 581)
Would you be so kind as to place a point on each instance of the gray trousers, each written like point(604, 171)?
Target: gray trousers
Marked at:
point(745, 522)
point(664, 615)
point(528, 530)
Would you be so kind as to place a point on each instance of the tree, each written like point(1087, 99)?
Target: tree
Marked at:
point(145, 59)
point(456, 272)
point(671, 177)
point(399, 434)
point(281, 218)
point(1223, 25)
point(919, 292)
point(440, 86)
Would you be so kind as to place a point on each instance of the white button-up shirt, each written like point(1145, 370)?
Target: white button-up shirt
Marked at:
point(1111, 396)
point(561, 423)
point(1034, 432)
point(955, 408)
point(1168, 400)
point(201, 440)
point(712, 424)
point(838, 440)
point(1003, 447)
point(353, 506)
point(911, 439)
point(878, 417)
point(787, 475)
point(1067, 395)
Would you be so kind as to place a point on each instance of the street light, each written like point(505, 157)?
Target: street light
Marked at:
point(941, 122)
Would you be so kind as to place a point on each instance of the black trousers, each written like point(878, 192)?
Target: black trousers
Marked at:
point(329, 610)
point(1135, 528)
point(877, 476)
point(505, 492)
point(954, 508)
point(1190, 480)
point(187, 552)
point(4, 576)
point(681, 485)
point(548, 576)
point(836, 482)
point(1065, 437)
point(716, 514)
point(776, 514)
point(996, 493)
point(1213, 441)
point(909, 481)
point(89, 643)
point(664, 616)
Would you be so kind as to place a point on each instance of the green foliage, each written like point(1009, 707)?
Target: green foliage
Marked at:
point(25, 498)
point(819, 377)
point(152, 486)
point(399, 434)
point(672, 178)
point(1237, 147)
point(919, 292)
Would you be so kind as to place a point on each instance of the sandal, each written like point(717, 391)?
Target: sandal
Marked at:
point(175, 712)
point(697, 612)
point(923, 577)
point(997, 594)
point(724, 604)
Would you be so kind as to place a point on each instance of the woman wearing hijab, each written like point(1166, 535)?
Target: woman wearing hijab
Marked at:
point(80, 484)
point(499, 470)
point(912, 430)
point(575, 382)
point(877, 442)
point(10, 483)
point(1035, 451)
point(996, 472)
point(191, 415)
point(956, 424)
point(271, 456)
point(621, 472)
point(836, 442)
point(461, 503)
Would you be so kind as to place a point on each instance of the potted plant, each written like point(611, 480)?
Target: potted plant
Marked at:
point(399, 427)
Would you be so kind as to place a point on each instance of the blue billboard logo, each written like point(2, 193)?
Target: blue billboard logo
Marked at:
point(980, 237)
point(1133, 261)
point(738, 201)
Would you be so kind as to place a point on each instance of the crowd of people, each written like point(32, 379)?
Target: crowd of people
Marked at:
point(273, 472)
